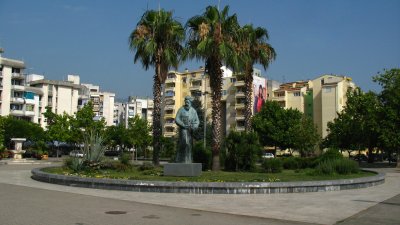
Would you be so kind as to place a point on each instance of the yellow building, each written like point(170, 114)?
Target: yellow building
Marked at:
point(177, 86)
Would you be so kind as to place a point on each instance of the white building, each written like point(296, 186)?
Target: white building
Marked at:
point(143, 107)
point(16, 98)
point(103, 103)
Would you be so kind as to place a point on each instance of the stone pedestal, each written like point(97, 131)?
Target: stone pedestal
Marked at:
point(182, 169)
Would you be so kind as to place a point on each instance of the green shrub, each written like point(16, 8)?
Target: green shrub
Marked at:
point(291, 163)
point(325, 167)
point(346, 166)
point(242, 151)
point(330, 154)
point(125, 158)
point(146, 166)
point(338, 166)
point(201, 155)
point(272, 165)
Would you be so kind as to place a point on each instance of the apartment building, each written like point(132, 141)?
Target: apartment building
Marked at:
point(103, 103)
point(143, 107)
point(61, 96)
point(291, 95)
point(320, 99)
point(233, 98)
point(196, 84)
point(177, 86)
point(329, 98)
point(16, 97)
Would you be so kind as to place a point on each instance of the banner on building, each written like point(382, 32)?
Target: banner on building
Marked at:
point(259, 93)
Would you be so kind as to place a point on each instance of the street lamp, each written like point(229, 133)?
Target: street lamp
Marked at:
point(205, 92)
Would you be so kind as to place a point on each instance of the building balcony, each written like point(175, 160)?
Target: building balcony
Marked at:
point(239, 94)
point(278, 98)
point(17, 76)
point(240, 128)
point(195, 88)
point(239, 105)
point(169, 116)
point(169, 98)
point(239, 83)
point(169, 134)
point(29, 113)
point(170, 107)
point(169, 124)
point(170, 80)
point(18, 100)
point(169, 88)
point(196, 79)
point(239, 117)
point(18, 87)
point(30, 101)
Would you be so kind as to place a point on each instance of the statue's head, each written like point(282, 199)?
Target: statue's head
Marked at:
point(188, 101)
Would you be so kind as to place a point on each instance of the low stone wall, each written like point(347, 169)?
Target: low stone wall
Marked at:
point(209, 187)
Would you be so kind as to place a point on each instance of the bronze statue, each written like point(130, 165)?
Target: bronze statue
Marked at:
point(188, 121)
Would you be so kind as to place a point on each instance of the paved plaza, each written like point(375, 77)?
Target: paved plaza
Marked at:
point(26, 201)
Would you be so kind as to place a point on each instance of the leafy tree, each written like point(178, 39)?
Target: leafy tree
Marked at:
point(363, 108)
point(83, 122)
point(252, 48)
point(16, 128)
point(210, 39)
point(389, 115)
point(139, 133)
point(306, 137)
point(116, 136)
point(243, 150)
point(156, 42)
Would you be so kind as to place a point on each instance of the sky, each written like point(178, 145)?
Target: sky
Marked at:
point(356, 38)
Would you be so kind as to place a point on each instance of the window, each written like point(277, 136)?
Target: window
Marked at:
point(184, 80)
point(296, 94)
point(327, 89)
point(233, 80)
point(224, 92)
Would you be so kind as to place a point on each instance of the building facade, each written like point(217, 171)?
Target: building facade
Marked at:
point(142, 107)
point(16, 97)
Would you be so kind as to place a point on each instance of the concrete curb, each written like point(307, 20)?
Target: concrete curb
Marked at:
point(210, 187)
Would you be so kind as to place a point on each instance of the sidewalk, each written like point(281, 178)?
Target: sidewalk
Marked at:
point(319, 207)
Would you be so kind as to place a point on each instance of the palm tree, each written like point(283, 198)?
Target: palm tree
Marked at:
point(210, 39)
point(156, 41)
point(252, 47)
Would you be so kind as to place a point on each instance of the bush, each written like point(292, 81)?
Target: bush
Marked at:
point(272, 165)
point(330, 154)
point(125, 158)
point(339, 166)
point(146, 166)
point(296, 163)
point(243, 151)
point(201, 155)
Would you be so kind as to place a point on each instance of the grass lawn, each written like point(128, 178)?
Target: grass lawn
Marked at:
point(208, 176)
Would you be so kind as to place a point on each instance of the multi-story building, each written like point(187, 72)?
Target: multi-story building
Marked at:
point(177, 86)
point(329, 98)
point(143, 107)
point(16, 98)
point(196, 84)
point(119, 113)
point(291, 95)
point(61, 96)
point(103, 104)
point(320, 99)
point(233, 98)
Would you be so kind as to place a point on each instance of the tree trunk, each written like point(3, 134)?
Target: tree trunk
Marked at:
point(214, 66)
point(248, 80)
point(370, 156)
point(398, 159)
point(157, 127)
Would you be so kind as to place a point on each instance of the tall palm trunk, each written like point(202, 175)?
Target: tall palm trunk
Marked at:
point(214, 66)
point(248, 90)
point(157, 128)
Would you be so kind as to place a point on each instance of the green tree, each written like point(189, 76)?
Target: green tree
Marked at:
point(210, 39)
point(389, 115)
point(116, 136)
point(16, 128)
point(363, 109)
point(83, 122)
point(243, 150)
point(156, 41)
point(306, 137)
point(252, 48)
point(139, 134)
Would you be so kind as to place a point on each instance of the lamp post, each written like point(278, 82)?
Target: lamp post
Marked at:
point(205, 110)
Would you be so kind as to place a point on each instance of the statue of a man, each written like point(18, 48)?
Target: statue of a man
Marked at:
point(188, 121)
